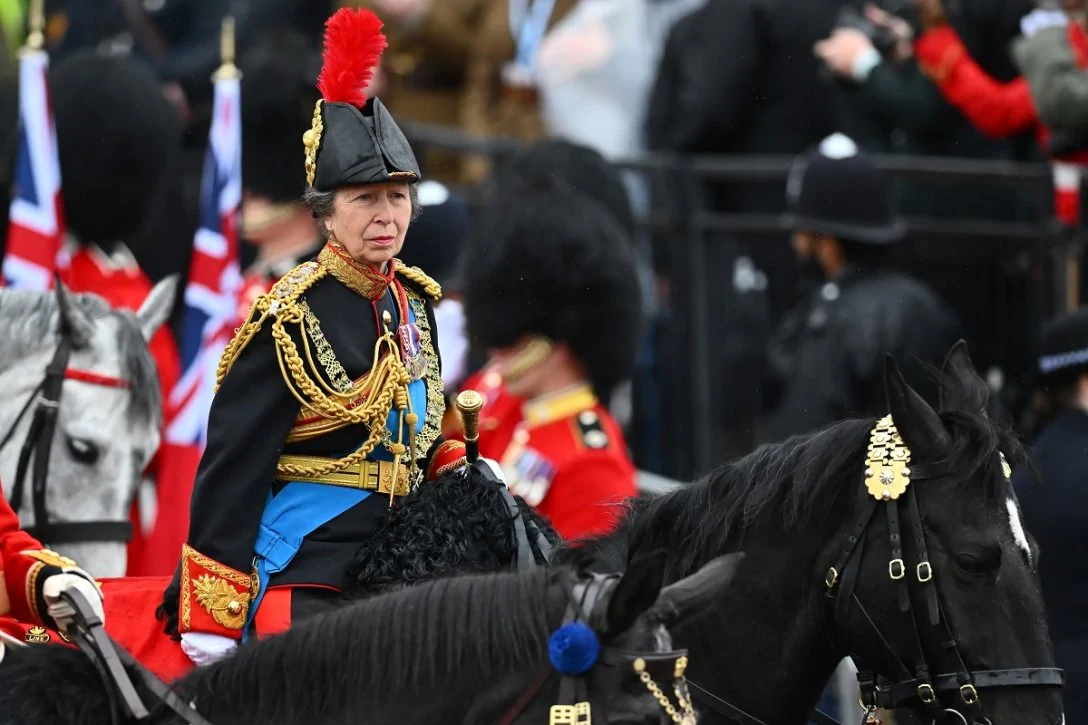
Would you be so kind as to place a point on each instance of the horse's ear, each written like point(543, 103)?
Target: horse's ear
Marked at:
point(74, 322)
point(156, 308)
point(636, 592)
point(693, 594)
point(961, 386)
point(917, 422)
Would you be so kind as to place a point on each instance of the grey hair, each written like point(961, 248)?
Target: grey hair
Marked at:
point(322, 203)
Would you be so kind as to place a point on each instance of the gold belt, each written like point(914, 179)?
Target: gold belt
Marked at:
point(365, 475)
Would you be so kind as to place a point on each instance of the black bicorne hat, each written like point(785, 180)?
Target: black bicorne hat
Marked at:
point(353, 139)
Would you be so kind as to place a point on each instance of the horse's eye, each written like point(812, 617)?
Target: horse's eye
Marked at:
point(980, 562)
point(82, 450)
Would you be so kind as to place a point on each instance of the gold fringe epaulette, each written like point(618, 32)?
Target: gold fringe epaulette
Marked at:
point(279, 302)
point(414, 274)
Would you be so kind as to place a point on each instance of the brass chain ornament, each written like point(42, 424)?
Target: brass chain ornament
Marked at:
point(686, 714)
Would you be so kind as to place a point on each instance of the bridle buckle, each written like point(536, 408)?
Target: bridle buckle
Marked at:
point(897, 569)
point(832, 578)
point(969, 694)
point(926, 693)
point(924, 571)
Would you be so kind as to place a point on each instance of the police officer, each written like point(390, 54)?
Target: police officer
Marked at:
point(825, 360)
point(1055, 505)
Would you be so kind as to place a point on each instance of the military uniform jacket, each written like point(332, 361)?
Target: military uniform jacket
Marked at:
point(26, 564)
point(563, 453)
point(330, 311)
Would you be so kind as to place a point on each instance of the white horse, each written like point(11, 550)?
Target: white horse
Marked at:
point(107, 408)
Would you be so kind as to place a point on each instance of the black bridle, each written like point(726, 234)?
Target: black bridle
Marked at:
point(123, 677)
point(37, 447)
point(586, 591)
point(920, 689)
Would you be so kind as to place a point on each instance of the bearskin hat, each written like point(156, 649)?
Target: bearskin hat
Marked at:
point(553, 262)
point(1063, 348)
point(354, 139)
point(278, 96)
point(118, 138)
point(583, 168)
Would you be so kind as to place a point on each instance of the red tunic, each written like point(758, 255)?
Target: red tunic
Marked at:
point(24, 567)
point(997, 109)
point(119, 280)
point(563, 453)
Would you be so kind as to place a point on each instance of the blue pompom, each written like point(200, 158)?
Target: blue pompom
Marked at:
point(573, 649)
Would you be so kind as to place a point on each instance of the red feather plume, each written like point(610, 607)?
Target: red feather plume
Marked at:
point(353, 47)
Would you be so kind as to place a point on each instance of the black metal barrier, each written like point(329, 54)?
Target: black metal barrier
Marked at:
point(683, 224)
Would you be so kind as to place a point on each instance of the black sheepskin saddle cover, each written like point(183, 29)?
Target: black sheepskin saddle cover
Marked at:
point(460, 523)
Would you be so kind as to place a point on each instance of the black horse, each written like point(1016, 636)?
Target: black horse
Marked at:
point(932, 591)
point(474, 648)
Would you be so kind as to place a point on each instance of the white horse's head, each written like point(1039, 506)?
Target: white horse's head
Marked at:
point(109, 412)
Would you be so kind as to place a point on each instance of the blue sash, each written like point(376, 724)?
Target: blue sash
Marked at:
point(301, 508)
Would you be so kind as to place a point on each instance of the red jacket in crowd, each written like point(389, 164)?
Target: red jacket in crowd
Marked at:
point(997, 109)
point(564, 454)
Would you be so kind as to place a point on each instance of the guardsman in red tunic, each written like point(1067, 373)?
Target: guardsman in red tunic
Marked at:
point(551, 295)
point(329, 397)
point(115, 155)
point(31, 581)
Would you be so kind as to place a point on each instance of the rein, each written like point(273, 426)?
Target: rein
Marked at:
point(38, 445)
point(120, 672)
point(888, 475)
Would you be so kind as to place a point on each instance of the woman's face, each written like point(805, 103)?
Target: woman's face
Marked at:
point(370, 220)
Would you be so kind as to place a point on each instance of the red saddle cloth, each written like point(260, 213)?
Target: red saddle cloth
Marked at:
point(130, 620)
point(130, 604)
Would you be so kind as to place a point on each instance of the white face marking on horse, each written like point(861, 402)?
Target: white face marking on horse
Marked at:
point(662, 639)
point(1017, 526)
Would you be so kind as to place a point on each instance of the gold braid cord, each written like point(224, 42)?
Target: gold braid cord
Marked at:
point(417, 275)
point(311, 140)
point(383, 389)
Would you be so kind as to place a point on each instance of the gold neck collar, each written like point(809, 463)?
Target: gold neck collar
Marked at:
point(558, 405)
point(361, 278)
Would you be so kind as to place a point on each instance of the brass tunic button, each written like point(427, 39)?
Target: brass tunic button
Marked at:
point(235, 608)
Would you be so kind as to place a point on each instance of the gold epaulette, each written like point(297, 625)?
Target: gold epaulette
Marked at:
point(414, 274)
point(281, 303)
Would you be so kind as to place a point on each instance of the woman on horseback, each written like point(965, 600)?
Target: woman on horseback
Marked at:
point(32, 579)
point(329, 397)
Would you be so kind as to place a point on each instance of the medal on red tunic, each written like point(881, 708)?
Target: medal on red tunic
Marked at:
point(411, 349)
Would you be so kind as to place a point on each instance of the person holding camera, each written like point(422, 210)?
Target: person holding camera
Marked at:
point(871, 55)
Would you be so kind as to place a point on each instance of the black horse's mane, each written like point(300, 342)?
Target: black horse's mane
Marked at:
point(787, 485)
point(441, 636)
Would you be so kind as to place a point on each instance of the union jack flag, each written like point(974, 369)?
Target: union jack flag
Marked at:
point(214, 274)
point(35, 246)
